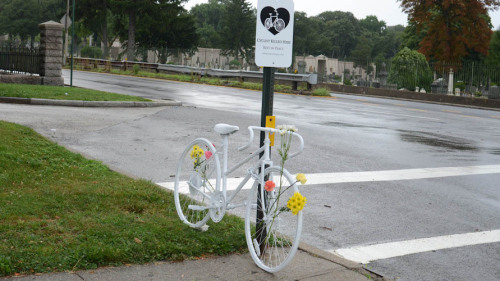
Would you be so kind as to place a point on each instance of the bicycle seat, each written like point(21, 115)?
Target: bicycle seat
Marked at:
point(225, 129)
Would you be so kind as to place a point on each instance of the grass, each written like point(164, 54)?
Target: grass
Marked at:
point(61, 93)
point(62, 212)
point(321, 92)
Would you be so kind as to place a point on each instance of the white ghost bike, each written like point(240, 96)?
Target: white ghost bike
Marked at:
point(272, 231)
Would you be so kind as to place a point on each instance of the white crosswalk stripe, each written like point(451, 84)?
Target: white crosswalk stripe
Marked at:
point(366, 254)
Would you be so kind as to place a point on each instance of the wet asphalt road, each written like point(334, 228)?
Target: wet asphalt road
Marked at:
point(342, 134)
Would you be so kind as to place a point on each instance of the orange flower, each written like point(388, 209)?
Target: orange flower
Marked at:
point(269, 186)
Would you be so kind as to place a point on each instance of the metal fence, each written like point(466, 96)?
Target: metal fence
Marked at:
point(19, 60)
point(469, 79)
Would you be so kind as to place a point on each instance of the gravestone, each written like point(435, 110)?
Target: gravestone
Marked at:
point(494, 92)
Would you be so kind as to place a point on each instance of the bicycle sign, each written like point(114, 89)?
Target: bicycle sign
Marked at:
point(274, 36)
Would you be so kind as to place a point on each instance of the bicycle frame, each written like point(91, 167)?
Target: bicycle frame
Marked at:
point(265, 160)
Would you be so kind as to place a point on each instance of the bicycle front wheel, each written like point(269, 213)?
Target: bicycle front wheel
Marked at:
point(274, 239)
point(196, 181)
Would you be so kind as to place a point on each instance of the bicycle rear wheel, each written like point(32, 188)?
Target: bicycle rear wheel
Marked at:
point(196, 181)
point(273, 244)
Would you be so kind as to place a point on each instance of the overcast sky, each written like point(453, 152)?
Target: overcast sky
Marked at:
point(386, 10)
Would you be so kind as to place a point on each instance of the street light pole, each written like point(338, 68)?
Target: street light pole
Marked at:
point(72, 45)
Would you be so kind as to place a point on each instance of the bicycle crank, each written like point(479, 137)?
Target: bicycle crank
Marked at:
point(218, 206)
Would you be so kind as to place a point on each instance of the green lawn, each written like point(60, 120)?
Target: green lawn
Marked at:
point(60, 211)
point(61, 93)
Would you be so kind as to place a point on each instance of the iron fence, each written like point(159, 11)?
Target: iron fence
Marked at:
point(469, 78)
point(19, 60)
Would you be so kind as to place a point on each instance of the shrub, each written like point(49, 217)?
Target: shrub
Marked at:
point(91, 52)
point(136, 69)
point(410, 70)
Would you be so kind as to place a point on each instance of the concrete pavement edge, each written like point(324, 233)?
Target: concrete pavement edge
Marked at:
point(77, 103)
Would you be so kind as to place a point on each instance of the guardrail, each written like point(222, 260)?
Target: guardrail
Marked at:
point(294, 79)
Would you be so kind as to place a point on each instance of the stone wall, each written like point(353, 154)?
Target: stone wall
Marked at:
point(440, 98)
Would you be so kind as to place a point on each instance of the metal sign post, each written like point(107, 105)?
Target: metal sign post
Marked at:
point(273, 48)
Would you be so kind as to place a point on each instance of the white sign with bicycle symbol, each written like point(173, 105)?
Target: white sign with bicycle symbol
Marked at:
point(274, 33)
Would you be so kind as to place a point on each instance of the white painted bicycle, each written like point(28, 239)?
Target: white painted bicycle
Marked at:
point(273, 218)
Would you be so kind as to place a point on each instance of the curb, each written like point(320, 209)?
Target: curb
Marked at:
point(77, 103)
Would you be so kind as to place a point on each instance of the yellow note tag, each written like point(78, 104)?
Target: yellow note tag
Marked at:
point(271, 123)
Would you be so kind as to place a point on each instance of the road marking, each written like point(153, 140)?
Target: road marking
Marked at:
point(494, 116)
point(371, 176)
point(470, 116)
point(417, 110)
point(452, 111)
point(366, 254)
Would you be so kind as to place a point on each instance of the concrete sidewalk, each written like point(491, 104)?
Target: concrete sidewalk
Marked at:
point(309, 264)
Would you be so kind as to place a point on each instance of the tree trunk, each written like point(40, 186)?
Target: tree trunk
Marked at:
point(104, 30)
point(105, 47)
point(131, 36)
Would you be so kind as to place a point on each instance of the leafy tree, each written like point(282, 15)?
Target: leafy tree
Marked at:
point(306, 36)
point(453, 29)
point(22, 17)
point(409, 70)
point(341, 30)
point(238, 28)
point(494, 52)
point(141, 20)
point(208, 24)
point(95, 15)
point(410, 39)
point(166, 28)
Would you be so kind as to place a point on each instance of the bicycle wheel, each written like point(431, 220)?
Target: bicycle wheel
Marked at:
point(279, 25)
point(268, 23)
point(274, 246)
point(196, 181)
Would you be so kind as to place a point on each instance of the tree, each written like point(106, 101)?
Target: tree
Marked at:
point(306, 35)
point(493, 57)
point(453, 29)
point(238, 28)
point(139, 16)
point(409, 69)
point(95, 15)
point(341, 30)
point(165, 28)
point(22, 17)
point(208, 22)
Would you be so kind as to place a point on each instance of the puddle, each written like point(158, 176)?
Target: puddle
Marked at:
point(440, 141)
point(347, 125)
point(494, 151)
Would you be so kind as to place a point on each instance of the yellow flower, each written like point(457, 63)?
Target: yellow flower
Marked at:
point(197, 152)
point(301, 178)
point(296, 203)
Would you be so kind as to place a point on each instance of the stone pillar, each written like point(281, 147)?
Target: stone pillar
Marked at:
point(51, 53)
point(450, 82)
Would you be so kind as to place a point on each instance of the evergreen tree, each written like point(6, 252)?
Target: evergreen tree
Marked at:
point(238, 28)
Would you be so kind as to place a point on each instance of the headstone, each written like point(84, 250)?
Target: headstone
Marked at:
point(439, 86)
point(494, 92)
point(302, 67)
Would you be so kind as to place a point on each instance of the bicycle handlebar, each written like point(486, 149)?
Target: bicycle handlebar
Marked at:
point(272, 130)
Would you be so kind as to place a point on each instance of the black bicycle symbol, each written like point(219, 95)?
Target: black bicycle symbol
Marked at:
point(274, 21)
